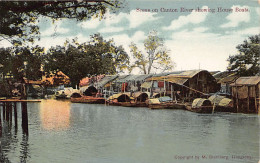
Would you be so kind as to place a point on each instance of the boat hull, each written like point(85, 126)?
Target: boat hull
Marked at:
point(201, 109)
point(88, 100)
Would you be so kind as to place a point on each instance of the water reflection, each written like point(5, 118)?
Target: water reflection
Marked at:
point(55, 115)
point(11, 144)
point(64, 132)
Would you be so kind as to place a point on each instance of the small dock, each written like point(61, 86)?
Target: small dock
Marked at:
point(8, 112)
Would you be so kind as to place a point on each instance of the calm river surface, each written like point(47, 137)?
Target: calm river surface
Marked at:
point(64, 132)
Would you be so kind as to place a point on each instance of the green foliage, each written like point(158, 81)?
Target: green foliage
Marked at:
point(157, 56)
point(80, 60)
point(13, 59)
point(18, 19)
point(247, 61)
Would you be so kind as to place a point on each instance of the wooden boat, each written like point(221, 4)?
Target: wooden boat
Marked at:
point(120, 99)
point(61, 96)
point(200, 105)
point(222, 104)
point(66, 93)
point(133, 104)
point(88, 100)
point(164, 102)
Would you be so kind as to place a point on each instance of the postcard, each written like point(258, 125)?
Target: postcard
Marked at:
point(132, 81)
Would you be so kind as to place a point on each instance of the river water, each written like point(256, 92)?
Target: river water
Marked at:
point(64, 132)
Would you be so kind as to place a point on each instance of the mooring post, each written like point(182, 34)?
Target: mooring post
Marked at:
point(15, 115)
point(7, 114)
point(11, 113)
point(3, 110)
point(24, 118)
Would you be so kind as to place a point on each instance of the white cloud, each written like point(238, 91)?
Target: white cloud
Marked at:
point(134, 18)
point(247, 31)
point(5, 43)
point(111, 19)
point(91, 23)
point(59, 40)
point(111, 29)
point(235, 18)
point(193, 18)
point(124, 40)
point(54, 28)
point(138, 37)
point(137, 18)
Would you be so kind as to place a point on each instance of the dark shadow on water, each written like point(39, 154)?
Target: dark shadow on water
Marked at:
point(13, 137)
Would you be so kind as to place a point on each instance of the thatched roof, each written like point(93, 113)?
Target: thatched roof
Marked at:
point(133, 78)
point(220, 100)
point(198, 102)
point(105, 80)
point(120, 79)
point(138, 94)
point(54, 79)
point(179, 77)
point(115, 96)
point(226, 77)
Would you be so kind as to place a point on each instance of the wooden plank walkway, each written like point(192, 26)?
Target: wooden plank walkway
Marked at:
point(17, 100)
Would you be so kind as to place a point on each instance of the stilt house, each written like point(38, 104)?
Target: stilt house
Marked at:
point(245, 93)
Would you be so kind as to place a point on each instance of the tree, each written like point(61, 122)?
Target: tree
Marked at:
point(247, 61)
point(18, 18)
point(5, 61)
point(80, 60)
point(157, 56)
point(13, 59)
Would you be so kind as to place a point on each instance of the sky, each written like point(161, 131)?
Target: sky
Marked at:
point(195, 39)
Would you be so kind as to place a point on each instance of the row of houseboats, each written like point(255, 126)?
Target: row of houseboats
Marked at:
point(194, 90)
point(157, 101)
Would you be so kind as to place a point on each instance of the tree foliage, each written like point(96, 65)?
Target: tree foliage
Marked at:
point(18, 19)
point(157, 56)
point(13, 62)
point(247, 61)
point(97, 56)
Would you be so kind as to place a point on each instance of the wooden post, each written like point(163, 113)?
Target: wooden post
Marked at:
point(171, 92)
point(7, 114)
point(236, 95)
point(164, 86)
point(24, 118)
point(15, 115)
point(10, 113)
point(256, 108)
point(248, 100)
point(4, 107)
